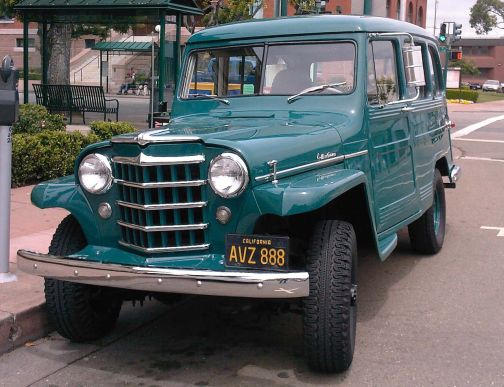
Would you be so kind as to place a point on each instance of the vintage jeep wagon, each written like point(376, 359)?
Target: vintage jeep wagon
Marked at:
point(264, 184)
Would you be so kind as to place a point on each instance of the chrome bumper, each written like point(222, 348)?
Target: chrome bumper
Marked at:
point(203, 282)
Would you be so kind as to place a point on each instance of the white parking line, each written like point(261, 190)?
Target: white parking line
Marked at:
point(480, 159)
point(478, 140)
point(500, 229)
point(471, 128)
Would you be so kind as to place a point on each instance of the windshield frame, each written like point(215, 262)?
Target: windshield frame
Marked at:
point(185, 79)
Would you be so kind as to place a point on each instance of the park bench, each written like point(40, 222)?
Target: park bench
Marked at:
point(75, 98)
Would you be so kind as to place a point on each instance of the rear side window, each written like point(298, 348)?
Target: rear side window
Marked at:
point(382, 72)
point(435, 71)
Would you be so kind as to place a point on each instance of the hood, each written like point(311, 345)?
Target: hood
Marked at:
point(292, 140)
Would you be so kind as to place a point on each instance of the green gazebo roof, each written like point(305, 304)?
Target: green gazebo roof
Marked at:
point(124, 46)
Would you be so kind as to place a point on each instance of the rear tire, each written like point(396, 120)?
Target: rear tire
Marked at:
point(78, 312)
point(428, 232)
point(330, 311)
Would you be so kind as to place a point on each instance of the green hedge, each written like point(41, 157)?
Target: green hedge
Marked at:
point(44, 152)
point(468, 95)
point(46, 155)
point(107, 130)
point(35, 119)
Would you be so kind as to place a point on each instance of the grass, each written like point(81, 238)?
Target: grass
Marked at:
point(488, 96)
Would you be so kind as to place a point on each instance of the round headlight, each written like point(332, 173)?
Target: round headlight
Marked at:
point(95, 173)
point(228, 175)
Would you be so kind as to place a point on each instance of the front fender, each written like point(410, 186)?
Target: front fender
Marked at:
point(64, 193)
point(307, 192)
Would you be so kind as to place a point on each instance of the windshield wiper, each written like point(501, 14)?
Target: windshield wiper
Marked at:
point(223, 100)
point(312, 89)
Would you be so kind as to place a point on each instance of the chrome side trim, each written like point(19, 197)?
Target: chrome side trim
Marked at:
point(315, 164)
point(143, 160)
point(167, 206)
point(154, 250)
point(162, 184)
point(204, 282)
point(176, 227)
point(154, 136)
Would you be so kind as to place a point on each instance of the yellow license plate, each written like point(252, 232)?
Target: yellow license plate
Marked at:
point(257, 251)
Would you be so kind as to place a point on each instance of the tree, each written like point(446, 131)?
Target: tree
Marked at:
point(487, 15)
point(467, 67)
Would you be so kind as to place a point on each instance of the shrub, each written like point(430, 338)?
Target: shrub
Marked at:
point(46, 155)
point(36, 118)
point(107, 130)
point(469, 95)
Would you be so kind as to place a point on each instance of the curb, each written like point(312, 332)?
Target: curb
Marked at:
point(27, 325)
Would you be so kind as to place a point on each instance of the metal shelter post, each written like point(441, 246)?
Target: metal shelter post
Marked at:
point(161, 58)
point(107, 68)
point(176, 49)
point(101, 68)
point(9, 103)
point(26, 70)
point(283, 7)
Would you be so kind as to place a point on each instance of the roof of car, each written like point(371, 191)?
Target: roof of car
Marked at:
point(302, 25)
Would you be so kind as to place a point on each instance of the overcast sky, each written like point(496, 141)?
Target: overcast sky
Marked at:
point(457, 11)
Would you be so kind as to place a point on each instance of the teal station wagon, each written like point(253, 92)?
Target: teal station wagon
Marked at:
point(264, 184)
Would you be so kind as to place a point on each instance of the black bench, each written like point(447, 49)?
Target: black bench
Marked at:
point(74, 98)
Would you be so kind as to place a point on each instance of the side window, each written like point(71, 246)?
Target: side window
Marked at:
point(385, 68)
point(435, 72)
point(372, 90)
point(422, 89)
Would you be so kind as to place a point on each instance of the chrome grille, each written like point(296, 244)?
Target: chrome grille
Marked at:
point(161, 202)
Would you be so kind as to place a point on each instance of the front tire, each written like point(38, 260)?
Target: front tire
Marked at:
point(330, 310)
point(428, 232)
point(78, 312)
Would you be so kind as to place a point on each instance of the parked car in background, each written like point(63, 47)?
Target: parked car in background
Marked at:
point(474, 85)
point(492, 85)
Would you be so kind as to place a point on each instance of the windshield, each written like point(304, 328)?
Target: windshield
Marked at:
point(287, 69)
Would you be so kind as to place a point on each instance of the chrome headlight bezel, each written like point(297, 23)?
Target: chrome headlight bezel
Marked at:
point(244, 171)
point(106, 166)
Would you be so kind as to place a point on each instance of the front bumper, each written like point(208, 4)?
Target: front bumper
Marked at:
point(202, 282)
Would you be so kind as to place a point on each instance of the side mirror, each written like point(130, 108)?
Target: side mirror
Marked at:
point(413, 63)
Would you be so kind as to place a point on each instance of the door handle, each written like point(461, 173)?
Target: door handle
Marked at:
point(407, 109)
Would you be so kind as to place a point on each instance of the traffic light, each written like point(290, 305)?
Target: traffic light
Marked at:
point(457, 32)
point(456, 55)
point(442, 32)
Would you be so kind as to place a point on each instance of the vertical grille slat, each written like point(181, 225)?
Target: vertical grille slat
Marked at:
point(161, 205)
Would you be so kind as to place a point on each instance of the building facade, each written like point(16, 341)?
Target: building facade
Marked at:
point(413, 11)
point(487, 55)
point(11, 42)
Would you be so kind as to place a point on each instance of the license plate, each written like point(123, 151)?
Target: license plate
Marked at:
point(257, 251)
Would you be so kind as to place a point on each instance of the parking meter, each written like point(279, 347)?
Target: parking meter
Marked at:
point(9, 108)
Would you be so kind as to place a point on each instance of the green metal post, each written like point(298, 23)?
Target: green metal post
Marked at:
point(283, 8)
point(26, 70)
point(368, 7)
point(162, 59)
point(45, 61)
point(176, 49)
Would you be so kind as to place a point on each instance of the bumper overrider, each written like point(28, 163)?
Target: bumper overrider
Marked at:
point(203, 282)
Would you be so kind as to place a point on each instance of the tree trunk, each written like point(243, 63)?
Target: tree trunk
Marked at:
point(59, 37)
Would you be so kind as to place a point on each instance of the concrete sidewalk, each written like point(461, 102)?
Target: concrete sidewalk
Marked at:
point(22, 304)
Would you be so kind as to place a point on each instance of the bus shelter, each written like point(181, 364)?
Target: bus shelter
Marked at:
point(105, 12)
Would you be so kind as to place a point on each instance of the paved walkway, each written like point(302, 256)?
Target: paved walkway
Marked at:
point(22, 313)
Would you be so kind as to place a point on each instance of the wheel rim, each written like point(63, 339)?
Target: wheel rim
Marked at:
point(437, 212)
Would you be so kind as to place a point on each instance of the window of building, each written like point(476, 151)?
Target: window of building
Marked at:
point(420, 17)
point(382, 72)
point(89, 43)
point(398, 10)
point(31, 42)
point(387, 6)
point(410, 12)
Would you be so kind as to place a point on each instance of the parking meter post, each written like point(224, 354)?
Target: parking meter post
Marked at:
point(9, 105)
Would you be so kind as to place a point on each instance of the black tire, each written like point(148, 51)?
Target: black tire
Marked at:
point(78, 312)
point(428, 232)
point(330, 311)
